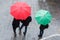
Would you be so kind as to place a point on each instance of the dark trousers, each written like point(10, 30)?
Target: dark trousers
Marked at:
point(25, 28)
point(41, 33)
point(14, 29)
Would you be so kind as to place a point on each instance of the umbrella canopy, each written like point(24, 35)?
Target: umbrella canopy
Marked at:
point(20, 10)
point(43, 17)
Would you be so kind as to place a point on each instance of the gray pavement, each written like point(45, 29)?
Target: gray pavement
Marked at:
point(6, 31)
point(54, 38)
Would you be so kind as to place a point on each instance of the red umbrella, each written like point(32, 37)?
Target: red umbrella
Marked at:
point(20, 10)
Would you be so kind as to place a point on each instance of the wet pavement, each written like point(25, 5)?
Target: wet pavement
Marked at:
point(6, 31)
point(54, 38)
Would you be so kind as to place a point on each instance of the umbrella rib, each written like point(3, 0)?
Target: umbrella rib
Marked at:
point(25, 10)
point(48, 18)
point(41, 18)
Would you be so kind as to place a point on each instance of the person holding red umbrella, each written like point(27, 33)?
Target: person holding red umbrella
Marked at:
point(21, 12)
point(25, 23)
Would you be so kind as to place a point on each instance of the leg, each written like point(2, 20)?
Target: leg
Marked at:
point(25, 30)
point(20, 28)
point(14, 29)
point(41, 33)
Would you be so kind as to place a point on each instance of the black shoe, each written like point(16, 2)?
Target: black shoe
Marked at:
point(39, 36)
point(24, 33)
point(14, 35)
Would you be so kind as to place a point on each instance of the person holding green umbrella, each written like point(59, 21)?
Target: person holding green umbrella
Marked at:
point(43, 17)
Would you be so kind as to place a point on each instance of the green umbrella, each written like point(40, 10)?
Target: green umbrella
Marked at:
point(43, 17)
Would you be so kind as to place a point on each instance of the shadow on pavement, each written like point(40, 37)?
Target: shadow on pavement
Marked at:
point(20, 37)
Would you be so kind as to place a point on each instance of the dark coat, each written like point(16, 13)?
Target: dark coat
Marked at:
point(26, 22)
point(15, 23)
point(42, 27)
